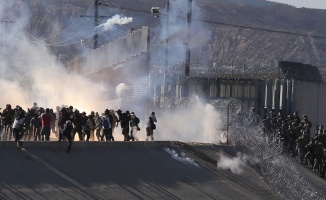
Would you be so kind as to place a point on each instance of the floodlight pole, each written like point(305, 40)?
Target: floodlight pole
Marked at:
point(187, 58)
point(227, 124)
point(96, 21)
point(166, 47)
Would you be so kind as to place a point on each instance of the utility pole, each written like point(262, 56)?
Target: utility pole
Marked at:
point(96, 19)
point(187, 58)
point(227, 124)
point(96, 23)
point(166, 47)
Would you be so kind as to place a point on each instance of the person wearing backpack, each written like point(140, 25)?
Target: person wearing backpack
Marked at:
point(107, 128)
point(134, 122)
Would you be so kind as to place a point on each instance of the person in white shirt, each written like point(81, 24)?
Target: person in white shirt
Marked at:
point(17, 126)
point(57, 115)
point(134, 121)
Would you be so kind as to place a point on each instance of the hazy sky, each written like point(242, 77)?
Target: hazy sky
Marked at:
point(320, 4)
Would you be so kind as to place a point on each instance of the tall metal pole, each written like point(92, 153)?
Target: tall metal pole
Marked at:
point(166, 48)
point(227, 124)
point(96, 21)
point(96, 17)
point(167, 40)
point(187, 58)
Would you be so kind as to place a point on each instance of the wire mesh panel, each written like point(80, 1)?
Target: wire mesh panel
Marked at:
point(278, 170)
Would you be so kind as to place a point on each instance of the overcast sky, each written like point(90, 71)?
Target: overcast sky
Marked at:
point(320, 4)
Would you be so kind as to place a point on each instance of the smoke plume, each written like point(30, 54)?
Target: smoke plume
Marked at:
point(28, 73)
point(199, 122)
point(121, 88)
point(235, 165)
point(116, 19)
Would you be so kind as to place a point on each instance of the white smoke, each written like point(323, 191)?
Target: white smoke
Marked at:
point(122, 87)
point(28, 74)
point(116, 19)
point(174, 30)
point(199, 122)
point(183, 158)
point(234, 164)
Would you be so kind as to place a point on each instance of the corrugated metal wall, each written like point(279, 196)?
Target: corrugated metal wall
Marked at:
point(260, 95)
point(307, 98)
point(310, 98)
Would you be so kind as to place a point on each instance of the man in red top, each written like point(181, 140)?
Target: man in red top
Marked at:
point(46, 125)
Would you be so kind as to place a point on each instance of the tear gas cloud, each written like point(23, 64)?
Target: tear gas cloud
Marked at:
point(116, 19)
point(199, 122)
point(234, 164)
point(182, 158)
point(122, 87)
point(27, 74)
point(173, 32)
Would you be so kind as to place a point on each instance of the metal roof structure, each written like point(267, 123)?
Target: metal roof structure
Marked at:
point(299, 71)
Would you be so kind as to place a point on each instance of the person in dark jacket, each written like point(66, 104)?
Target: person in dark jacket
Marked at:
point(318, 152)
point(52, 123)
point(323, 165)
point(78, 127)
point(92, 125)
point(309, 157)
point(84, 119)
point(66, 131)
point(36, 124)
point(8, 116)
point(63, 117)
point(89, 127)
point(124, 122)
point(301, 145)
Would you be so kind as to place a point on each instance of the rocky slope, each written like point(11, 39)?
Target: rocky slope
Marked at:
point(251, 29)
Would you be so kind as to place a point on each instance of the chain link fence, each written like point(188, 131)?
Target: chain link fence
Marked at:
point(278, 170)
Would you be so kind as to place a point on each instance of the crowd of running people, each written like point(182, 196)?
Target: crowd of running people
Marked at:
point(297, 139)
point(37, 124)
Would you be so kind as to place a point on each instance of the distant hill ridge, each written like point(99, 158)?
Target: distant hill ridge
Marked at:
point(227, 41)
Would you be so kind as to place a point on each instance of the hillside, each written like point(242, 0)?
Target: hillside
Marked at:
point(239, 29)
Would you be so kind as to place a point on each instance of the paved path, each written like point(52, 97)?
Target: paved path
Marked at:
point(121, 170)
